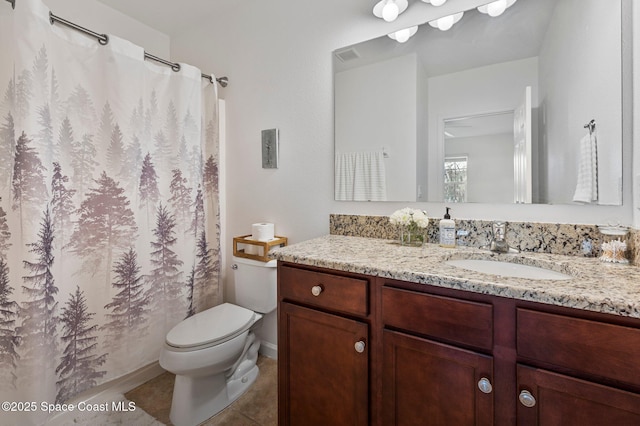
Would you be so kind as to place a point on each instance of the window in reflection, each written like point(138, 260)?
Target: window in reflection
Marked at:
point(455, 179)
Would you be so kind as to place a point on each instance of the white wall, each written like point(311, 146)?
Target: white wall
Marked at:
point(635, 16)
point(97, 17)
point(364, 124)
point(278, 57)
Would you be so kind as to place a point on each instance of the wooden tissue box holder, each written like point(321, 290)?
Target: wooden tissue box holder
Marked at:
point(265, 245)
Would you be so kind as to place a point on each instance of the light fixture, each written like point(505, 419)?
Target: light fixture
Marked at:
point(496, 8)
point(389, 9)
point(446, 22)
point(435, 2)
point(402, 36)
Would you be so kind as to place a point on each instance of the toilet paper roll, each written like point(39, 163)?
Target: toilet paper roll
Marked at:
point(252, 249)
point(263, 231)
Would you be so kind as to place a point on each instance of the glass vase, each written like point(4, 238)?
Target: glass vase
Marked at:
point(411, 236)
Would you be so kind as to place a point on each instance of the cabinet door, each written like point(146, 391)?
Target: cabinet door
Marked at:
point(557, 400)
point(429, 383)
point(323, 368)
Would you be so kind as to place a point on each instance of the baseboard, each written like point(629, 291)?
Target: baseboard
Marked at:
point(110, 391)
point(269, 350)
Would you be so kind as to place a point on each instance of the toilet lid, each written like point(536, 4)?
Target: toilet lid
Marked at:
point(207, 327)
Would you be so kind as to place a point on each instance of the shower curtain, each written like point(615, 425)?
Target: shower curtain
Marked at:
point(109, 217)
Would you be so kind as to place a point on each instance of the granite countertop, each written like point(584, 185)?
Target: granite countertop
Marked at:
point(595, 286)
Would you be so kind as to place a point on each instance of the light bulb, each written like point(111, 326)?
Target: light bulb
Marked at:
point(403, 35)
point(438, 2)
point(390, 11)
point(445, 23)
point(496, 8)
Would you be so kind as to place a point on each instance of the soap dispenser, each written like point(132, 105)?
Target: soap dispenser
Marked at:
point(447, 230)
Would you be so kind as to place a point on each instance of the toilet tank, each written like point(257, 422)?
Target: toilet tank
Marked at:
point(255, 284)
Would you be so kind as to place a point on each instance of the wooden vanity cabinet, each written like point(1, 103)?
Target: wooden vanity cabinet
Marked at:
point(574, 370)
point(323, 348)
point(358, 350)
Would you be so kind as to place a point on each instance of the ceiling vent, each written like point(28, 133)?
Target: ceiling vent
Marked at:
point(348, 54)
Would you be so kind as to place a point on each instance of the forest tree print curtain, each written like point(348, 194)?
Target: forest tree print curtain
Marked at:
point(109, 217)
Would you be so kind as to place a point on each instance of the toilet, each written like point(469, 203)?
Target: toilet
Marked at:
point(213, 353)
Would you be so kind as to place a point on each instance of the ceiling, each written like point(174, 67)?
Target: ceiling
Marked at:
point(169, 16)
point(479, 125)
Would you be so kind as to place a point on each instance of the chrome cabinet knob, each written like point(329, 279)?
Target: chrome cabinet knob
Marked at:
point(527, 399)
point(316, 290)
point(359, 346)
point(484, 385)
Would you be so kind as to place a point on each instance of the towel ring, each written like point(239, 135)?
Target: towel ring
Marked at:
point(591, 126)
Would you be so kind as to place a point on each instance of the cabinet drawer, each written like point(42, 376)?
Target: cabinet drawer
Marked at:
point(583, 346)
point(334, 292)
point(453, 320)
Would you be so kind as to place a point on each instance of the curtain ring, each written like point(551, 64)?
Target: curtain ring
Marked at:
point(103, 39)
point(175, 67)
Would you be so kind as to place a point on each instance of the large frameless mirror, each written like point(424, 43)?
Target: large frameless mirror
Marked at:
point(493, 110)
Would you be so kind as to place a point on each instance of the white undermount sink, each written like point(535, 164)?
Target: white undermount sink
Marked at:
point(508, 269)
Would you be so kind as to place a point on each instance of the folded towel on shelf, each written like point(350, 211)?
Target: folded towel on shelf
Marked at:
point(587, 180)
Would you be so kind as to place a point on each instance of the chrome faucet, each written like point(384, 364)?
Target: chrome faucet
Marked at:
point(498, 242)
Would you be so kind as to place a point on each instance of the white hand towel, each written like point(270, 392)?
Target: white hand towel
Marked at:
point(370, 177)
point(587, 180)
point(360, 176)
point(344, 176)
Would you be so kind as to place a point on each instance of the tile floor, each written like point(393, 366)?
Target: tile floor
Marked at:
point(257, 407)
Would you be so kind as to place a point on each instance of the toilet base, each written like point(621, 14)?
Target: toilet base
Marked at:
point(237, 387)
point(195, 402)
point(195, 399)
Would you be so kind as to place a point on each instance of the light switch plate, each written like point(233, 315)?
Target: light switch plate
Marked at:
point(270, 149)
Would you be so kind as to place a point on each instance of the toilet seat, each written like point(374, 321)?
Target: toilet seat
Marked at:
point(210, 327)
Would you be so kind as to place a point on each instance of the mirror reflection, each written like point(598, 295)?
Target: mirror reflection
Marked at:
point(473, 147)
point(491, 110)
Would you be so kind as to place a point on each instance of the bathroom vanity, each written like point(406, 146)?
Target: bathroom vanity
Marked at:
point(371, 332)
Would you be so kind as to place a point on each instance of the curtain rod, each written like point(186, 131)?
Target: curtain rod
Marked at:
point(103, 39)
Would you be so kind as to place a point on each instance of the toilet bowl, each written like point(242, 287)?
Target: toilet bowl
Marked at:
point(214, 352)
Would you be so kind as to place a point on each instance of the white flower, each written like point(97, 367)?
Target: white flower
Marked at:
point(409, 216)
